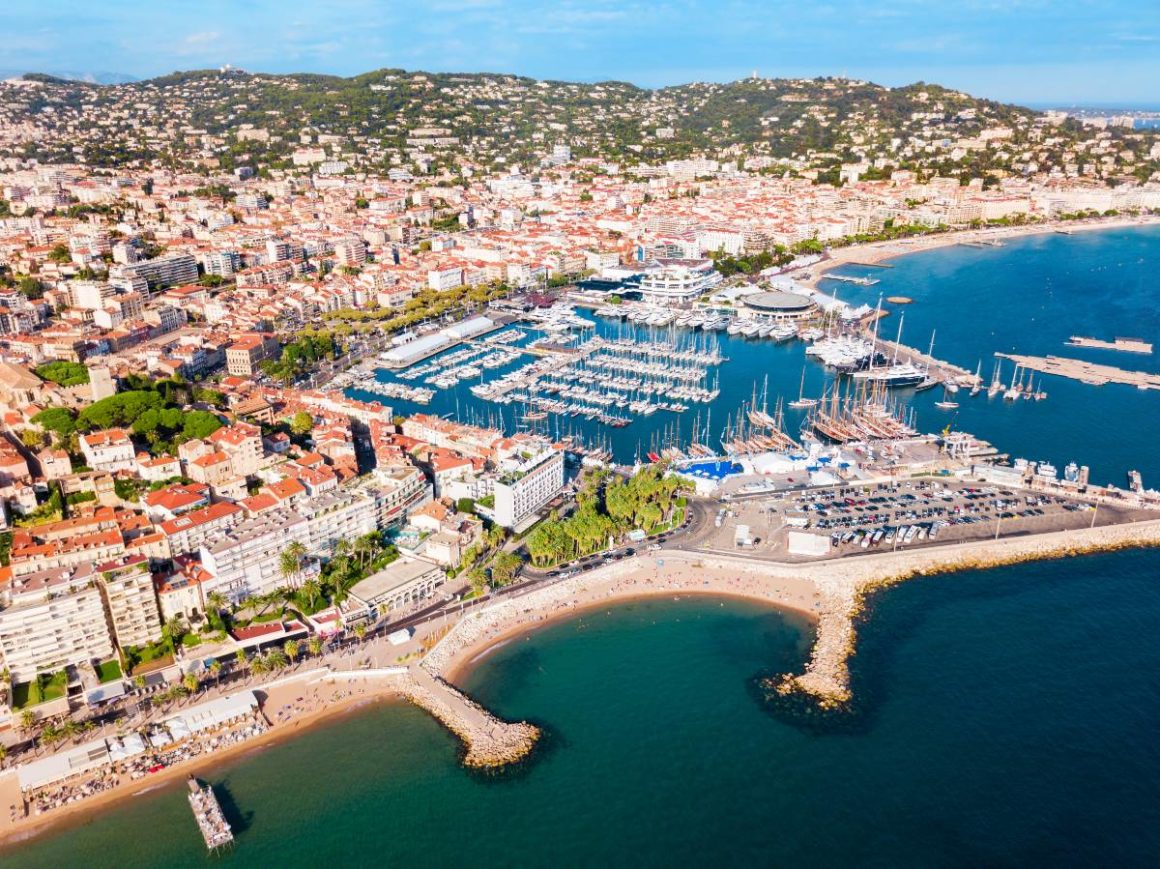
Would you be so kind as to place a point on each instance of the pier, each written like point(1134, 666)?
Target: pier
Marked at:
point(1085, 372)
point(1126, 345)
point(937, 369)
point(211, 821)
point(489, 742)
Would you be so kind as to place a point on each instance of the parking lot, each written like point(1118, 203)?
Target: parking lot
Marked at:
point(900, 514)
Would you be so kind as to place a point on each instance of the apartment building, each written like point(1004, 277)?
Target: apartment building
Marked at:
point(526, 484)
point(168, 270)
point(130, 601)
point(188, 532)
point(109, 450)
point(246, 559)
point(244, 354)
point(53, 619)
point(342, 515)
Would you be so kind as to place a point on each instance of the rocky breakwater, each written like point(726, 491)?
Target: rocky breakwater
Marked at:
point(844, 584)
point(489, 742)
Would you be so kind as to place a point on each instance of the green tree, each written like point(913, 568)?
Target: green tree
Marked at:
point(60, 254)
point(290, 561)
point(504, 568)
point(301, 423)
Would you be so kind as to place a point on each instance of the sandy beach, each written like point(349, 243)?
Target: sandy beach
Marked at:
point(683, 575)
point(877, 252)
point(306, 702)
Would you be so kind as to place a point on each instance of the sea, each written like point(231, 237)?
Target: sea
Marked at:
point(1001, 718)
point(1029, 296)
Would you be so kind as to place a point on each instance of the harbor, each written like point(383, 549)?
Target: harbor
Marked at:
point(635, 382)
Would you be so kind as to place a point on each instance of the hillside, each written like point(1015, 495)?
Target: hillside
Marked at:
point(392, 117)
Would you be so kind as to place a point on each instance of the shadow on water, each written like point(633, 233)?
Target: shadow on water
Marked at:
point(239, 820)
point(891, 616)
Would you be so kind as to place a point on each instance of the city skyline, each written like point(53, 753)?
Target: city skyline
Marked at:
point(1029, 52)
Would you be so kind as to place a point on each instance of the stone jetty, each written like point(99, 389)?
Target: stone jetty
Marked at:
point(489, 742)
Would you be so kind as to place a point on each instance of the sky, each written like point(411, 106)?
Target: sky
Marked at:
point(1031, 51)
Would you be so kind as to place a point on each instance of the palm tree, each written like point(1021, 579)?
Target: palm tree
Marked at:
point(311, 590)
point(241, 660)
point(314, 645)
point(275, 659)
point(360, 632)
point(191, 682)
point(290, 561)
point(27, 720)
point(70, 729)
point(291, 648)
point(215, 670)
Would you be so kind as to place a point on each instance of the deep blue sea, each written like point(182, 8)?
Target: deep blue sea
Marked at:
point(1027, 297)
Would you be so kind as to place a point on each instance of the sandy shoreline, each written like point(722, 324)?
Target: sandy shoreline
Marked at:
point(876, 252)
point(75, 814)
point(467, 660)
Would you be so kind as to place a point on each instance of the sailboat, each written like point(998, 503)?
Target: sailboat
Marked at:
point(946, 403)
point(802, 402)
point(977, 386)
point(996, 380)
point(1012, 392)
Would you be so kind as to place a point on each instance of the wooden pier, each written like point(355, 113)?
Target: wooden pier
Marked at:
point(1085, 372)
point(211, 821)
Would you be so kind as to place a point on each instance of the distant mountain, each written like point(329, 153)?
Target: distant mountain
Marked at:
point(72, 75)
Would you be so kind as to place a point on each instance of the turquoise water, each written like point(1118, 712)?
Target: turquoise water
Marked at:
point(1028, 297)
point(1004, 718)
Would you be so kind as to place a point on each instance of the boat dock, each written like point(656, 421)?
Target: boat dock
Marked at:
point(211, 821)
point(1085, 372)
point(936, 369)
point(1127, 345)
point(848, 279)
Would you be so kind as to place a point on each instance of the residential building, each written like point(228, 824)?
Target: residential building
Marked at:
point(246, 559)
point(244, 354)
point(109, 450)
point(52, 620)
point(130, 601)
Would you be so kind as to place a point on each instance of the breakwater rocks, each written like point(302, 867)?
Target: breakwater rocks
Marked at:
point(843, 586)
point(489, 742)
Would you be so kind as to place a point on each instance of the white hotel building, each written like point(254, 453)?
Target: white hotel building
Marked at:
point(679, 281)
point(526, 485)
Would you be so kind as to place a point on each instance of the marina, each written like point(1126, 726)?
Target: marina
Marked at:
point(618, 386)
